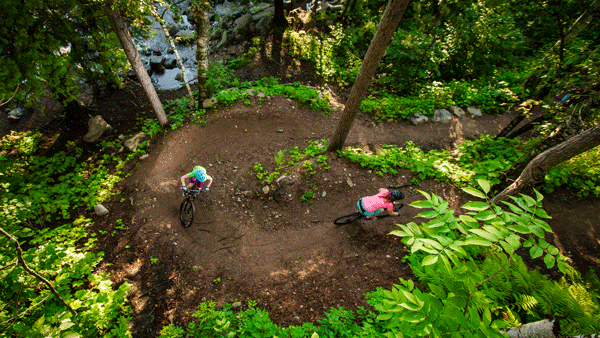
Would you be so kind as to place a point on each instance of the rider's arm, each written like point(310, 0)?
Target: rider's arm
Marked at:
point(392, 213)
point(208, 181)
point(183, 178)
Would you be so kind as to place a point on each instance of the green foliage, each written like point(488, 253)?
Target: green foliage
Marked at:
point(297, 160)
point(254, 322)
point(270, 87)
point(474, 282)
point(439, 95)
point(58, 255)
point(483, 158)
point(580, 173)
point(334, 56)
point(186, 39)
point(56, 44)
point(36, 190)
point(39, 189)
point(218, 76)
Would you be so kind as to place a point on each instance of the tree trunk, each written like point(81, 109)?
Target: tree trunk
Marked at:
point(385, 30)
point(538, 167)
point(168, 36)
point(279, 20)
point(133, 56)
point(201, 9)
point(347, 9)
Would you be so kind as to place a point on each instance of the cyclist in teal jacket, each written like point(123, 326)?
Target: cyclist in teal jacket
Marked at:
point(197, 178)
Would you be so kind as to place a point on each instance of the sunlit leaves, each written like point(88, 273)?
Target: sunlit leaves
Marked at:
point(450, 246)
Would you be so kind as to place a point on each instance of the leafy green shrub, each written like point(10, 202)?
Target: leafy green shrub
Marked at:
point(580, 173)
point(473, 281)
point(270, 87)
point(334, 56)
point(438, 95)
point(218, 76)
point(60, 256)
point(483, 158)
point(34, 190)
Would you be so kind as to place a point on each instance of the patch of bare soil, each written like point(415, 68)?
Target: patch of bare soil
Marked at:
point(277, 249)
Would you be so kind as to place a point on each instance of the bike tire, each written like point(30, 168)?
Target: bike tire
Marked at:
point(347, 219)
point(186, 213)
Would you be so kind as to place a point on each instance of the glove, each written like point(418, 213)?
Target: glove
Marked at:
point(205, 189)
point(184, 189)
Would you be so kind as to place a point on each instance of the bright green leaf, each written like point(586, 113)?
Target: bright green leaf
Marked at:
point(430, 259)
point(476, 206)
point(474, 192)
point(536, 251)
point(549, 260)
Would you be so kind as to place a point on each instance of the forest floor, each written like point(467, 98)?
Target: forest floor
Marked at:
point(285, 253)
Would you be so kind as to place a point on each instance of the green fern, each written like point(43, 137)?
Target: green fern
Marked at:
point(527, 302)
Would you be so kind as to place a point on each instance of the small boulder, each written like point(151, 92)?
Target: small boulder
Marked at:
point(458, 111)
point(418, 119)
point(474, 111)
point(442, 116)
point(133, 143)
point(15, 114)
point(209, 103)
point(157, 64)
point(96, 128)
point(100, 210)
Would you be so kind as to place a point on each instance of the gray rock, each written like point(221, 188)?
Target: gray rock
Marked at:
point(133, 143)
point(157, 64)
point(441, 116)
point(96, 128)
point(100, 210)
point(418, 119)
point(242, 22)
point(16, 113)
point(458, 111)
point(474, 111)
point(209, 103)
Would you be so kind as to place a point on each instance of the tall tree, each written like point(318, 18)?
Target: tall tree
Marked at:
point(279, 19)
point(133, 56)
point(392, 15)
point(201, 9)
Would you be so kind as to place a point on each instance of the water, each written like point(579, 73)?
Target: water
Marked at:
point(166, 81)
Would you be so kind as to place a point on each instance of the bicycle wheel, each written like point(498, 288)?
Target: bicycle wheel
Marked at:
point(186, 213)
point(348, 218)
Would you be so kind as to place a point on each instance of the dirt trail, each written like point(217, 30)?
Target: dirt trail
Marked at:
point(284, 253)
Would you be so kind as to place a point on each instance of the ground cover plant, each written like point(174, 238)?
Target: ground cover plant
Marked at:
point(37, 190)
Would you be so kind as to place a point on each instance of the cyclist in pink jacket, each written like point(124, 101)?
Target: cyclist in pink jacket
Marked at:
point(384, 200)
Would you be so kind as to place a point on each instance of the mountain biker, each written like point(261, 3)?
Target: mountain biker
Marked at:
point(384, 200)
point(196, 178)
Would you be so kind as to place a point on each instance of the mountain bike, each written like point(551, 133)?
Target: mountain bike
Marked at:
point(186, 210)
point(355, 216)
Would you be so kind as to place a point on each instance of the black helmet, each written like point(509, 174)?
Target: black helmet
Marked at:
point(396, 195)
